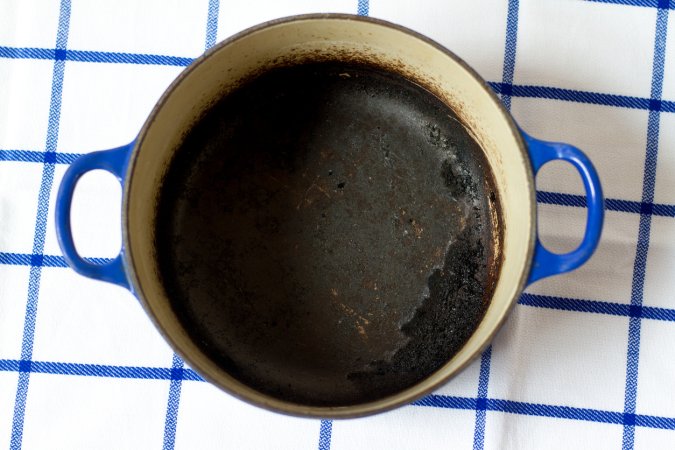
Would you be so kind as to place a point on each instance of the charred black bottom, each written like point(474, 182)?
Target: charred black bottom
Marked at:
point(324, 234)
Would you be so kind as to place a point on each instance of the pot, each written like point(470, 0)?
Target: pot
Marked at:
point(250, 355)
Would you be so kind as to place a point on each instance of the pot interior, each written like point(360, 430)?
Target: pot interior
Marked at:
point(319, 219)
point(329, 233)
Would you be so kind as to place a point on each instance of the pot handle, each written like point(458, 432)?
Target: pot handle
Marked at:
point(546, 263)
point(115, 162)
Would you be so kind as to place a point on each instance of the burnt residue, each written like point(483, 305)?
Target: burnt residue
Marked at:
point(457, 292)
point(325, 233)
point(441, 325)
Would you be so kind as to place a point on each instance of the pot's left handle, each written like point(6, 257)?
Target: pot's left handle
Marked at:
point(115, 162)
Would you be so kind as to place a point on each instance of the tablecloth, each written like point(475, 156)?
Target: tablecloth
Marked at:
point(586, 360)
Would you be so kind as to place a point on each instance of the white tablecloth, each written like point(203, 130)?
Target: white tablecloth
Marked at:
point(586, 360)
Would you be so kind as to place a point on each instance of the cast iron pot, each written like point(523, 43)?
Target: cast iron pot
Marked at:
point(513, 158)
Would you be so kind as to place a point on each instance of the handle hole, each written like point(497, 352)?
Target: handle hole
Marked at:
point(560, 224)
point(96, 215)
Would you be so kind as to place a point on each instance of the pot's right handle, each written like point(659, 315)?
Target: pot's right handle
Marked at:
point(115, 162)
point(546, 263)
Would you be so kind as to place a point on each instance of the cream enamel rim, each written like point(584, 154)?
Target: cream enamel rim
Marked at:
point(158, 311)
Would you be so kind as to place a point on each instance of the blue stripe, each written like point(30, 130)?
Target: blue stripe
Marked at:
point(555, 198)
point(510, 52)
point(40, 229)
point(38, 157)
point(665, 4)
point(597, 307)
point(212, 24)
point(636, 207)
point(654, 313)
point(569, 304)
point(508, 89)
point(662, 210)
point(173, 403)
point(571, 95)
point(363, 8)
point(325, 433)
point(633, 352)
point(437, 401)
point(540, 410)
point(611, 204)
point(96, 370)
point(595, 98)
point(37, 260)
point(93, 56)
point(665, 423)
point(27, 53)
point(126, 58)
point(9, 365)
point(560, 412)
point(523, 408)
point(481, 412)
point(446, 401)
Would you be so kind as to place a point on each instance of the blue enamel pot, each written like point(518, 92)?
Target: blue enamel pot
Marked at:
point(513, 158)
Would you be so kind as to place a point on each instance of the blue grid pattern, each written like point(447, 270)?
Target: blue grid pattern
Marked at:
point(325, 433)
point(482, 403)
point(644, 233)
point(173, 403)
point(36, 258)
point(481, 400)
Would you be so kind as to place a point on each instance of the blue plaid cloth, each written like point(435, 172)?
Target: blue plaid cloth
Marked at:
point(586, 360)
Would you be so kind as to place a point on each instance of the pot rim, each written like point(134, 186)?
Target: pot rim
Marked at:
point(265, 401)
